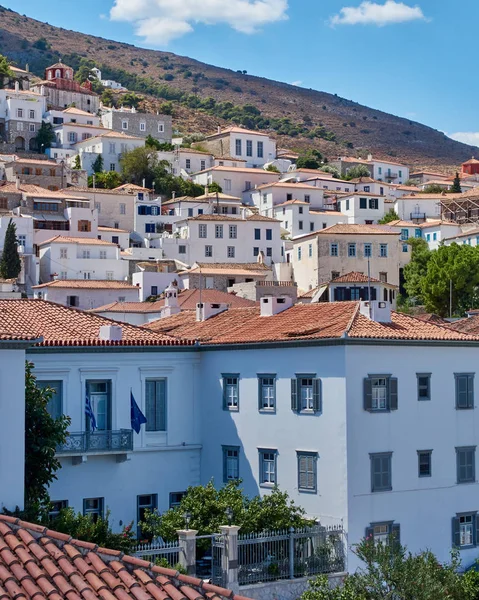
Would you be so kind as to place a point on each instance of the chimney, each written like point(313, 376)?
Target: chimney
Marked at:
point(376, 310)
point(205, 310)
point(17, 182)
point(219, 129)
point(370, 157)
point(171, 302)
point(271, 305)
point(173, 195)
point(110, 333)
point(27, 68)
point(17, 86)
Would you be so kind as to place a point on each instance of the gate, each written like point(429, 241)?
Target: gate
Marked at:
point(210, 565)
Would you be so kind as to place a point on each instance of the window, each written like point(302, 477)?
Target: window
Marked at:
point(109, 275)
point(380, 393)
point(21, 240)
point(227, 185)
point(20, 113)
point(299, 252)
point(73, 300)
point(188, 163)
point(267, 392)
point(249, 148)
point(404, 234)
point(307, 198)
point(265, 201)
point(230, 392)
point(255, 251)
point(383, 250)
point(200, 211)
point(19, 126)
point(230, 463)
point(400, 173)
point(363, 202)
point(176, 498)
point(464, 530)
point(143, 503)
point(347, 204)
point(311, 226)
point(202, 165)
point(112, 148)
point(383, 276)
point(161, 127)
point(56, 507)
point(4, 203)
point(231, 252)
point(102, 254)
point(202, 231)
point(405, 247)
point(423, 386)
point(352, 250)
point(55, 404)
point(122, 209)
point(466, 464)
point(307, 471)
point(93, 507)
point(373, 203)
point(31, 127)
point(464, 390)
point(306, 394)
point(380, 170)
point(115, 239)
point(257, 234)
point(208, 251)
point(300, 225)
point(310, 250)
point(269, 234)
point(112, 167)
point(424, 467)
point(86, 253)
point(218, 231)
point(233, 231)
point(267, 467)
point(63, 252)
point(381, 480)
point(182, 249)
point(333, 249)
point(260, 149)
point(300, 210)
point(155, 404)
point(142, 126)
point(238, 147)
point(99, 393)
point(86, 274)
point(31, 114)
point(382, 532)
point(428, 237)
point(124, 125)
point(121, 298)
point(98, 207)
point(45, 206)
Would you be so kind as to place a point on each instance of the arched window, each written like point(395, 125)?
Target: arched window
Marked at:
point(49, 75)
point(58, 73)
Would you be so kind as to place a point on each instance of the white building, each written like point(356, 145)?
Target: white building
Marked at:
point(265, 197)
point(379, 169)
point(110, 145)
point(419, 206)
point(86, 294)
point(363, 208)
point(236, 181)
point(71, 115)
point(21, 114)
point(108, 83)
point(81, 258)
point(254, 147)
point(297, 217)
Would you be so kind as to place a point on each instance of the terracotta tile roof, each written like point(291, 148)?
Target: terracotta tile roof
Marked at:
point(132, 187)
point(204, 198)
point(328, 320)
point(468, 325)
point(63, 239)
point(354, 277)
point(64, 326)
point(471, 161)
point(409, 188)
point(112, 229)
point(241, 170)
point(352, 229)
point(33, 161)
point(87, 284)
point(72, 124)
point(74, 190)
point(288, 185)
point(38, 563)
point(110, 134)
point(76, 111)
point(234, 129)
point(310, 293)
point(234, 218)
point(432, 318)
point(289, 202)
point(194, 151)
point(129, 307)
point(238, 269)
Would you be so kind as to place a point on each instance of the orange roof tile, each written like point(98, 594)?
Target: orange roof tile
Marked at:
point(468, 325)
point(233, 218)
point(112, 229)
point(63, 239)
point(354, 277)
point(87, 284)
point(352, 229)
point(289, 185)
point(38, 563)
point(235, 129)
point(241, 170)
point(64, 326)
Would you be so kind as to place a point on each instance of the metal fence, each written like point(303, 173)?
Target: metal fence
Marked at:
point(100, 441)
point(159, 552)
point(290, 553)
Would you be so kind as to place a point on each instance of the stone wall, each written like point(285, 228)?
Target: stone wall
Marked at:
point(256, 290)
point(151, 125)
point(220, 282)
point(285, 589)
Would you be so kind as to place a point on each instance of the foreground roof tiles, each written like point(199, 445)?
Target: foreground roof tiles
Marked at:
point(37, 563)
point(329, 320)
point(64, 326)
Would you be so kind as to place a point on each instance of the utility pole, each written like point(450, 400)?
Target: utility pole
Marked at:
point(450, 298)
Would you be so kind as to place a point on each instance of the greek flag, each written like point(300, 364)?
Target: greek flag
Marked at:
point(89, 413)
point(137, 417)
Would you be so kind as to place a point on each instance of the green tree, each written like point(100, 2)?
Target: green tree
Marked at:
point(357, 172)
point(390, 572)
point(434, 188)
point(456, 185)
point(45, 137)
point(130, 99)
point(309, 160)
point(108, 98)
point(107, 180)
point(97, 165)
point(391, 215)
point(272, 169)
point(151, 142)
point(215, 187)
point(10, 263)
point(208, 506)
point(416, 269)
point(5, 72)
point(333, 170)
point(43, 434)
point(77, 162)
point(138, 165)
point(452, 277)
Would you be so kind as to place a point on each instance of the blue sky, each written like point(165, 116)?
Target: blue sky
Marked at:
point(413, 58)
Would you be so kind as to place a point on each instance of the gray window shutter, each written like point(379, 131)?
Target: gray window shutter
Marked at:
point(368, 393)
point(150, 406)
point(456, 533)
point(260, 398)
point(470, 391)
point(393, 393)
point(161, 404)
point(461, 391)
point(369, 533)
point(303, 475)
point(396, 533)
point(317, 404)
point(294, 395)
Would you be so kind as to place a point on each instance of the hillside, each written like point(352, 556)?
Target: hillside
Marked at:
point(300, 118)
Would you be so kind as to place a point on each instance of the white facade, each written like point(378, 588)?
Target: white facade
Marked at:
point(110, 145)
point(390, 171)
point(239, 182)
point(254, 147)
point(297, 217)
point(267, 196)
point(151, 283)
point(85, 295)
point(184, 161)
point(22, 114)
point(418, 207)
point(363, 208)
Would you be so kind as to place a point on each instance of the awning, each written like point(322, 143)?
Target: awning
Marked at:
point(43, 217)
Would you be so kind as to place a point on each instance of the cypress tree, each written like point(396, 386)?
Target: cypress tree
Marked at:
point(456, 185)
point(10, 264)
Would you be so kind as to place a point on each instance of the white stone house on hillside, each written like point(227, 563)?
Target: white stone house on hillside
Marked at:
point(255, 147)
point(236, 181)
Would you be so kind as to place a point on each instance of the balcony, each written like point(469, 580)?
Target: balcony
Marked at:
point(79, 445)
point(391, 175)
point(417, 216)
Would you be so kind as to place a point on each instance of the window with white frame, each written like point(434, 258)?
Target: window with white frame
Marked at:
point(218, 231)
point(142, 126)
point(238, 147)
point(86, 253)
point(109, 275)
point(227, 185)
point(72, 137)
point(267, 392)
point(464, 530)
point(202, 165)
point(63, 252)
point(249, 148)
point(202, 230)
point(19, 126)
point(380, 393)
point(305, 393)
point(233, 232)
point(231, 252)
point(112, 167)
point(352, 250)
point(383, 250)
point(188, 163)
point(31, 114)
point(112, 148)
point(208, 251)
point(230, 391)
point(267, 462)
point(124, 125)
point(20, 113)
point(161, 127)
point(31, 127)
point(230, 463)
point(122, 208)
point(260, 149)
point(333, 249)
point(102, 254)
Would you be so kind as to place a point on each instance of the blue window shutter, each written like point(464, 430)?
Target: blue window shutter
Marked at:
point(224, 466)
point(461, 391)
point(224, 396)
point(393, 393)
point(294, 395)
point(368, 394)
point(317, 404)
point(456, 532)
point(476, 530)
point(470, 391)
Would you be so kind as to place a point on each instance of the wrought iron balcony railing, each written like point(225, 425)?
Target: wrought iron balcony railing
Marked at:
point(98, 442)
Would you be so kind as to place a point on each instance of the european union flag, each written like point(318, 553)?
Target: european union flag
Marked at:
point(137, 417)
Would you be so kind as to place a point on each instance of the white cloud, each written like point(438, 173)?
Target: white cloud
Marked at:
point(372, 13)
point(297, 83)
point(160, 21)
point(466, 137)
